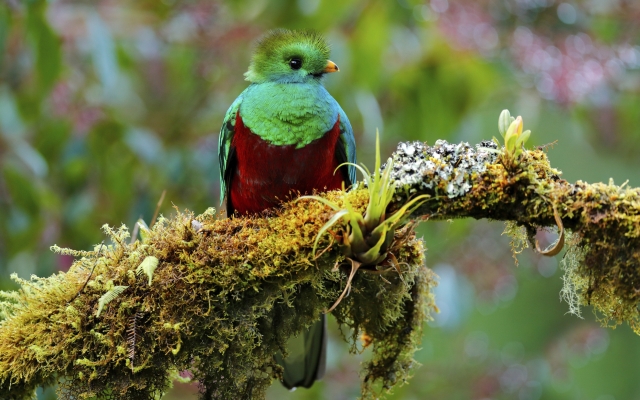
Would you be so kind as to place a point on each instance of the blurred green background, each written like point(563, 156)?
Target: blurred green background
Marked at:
point(105, 104)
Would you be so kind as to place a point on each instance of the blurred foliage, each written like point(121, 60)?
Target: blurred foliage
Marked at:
point(103, 105)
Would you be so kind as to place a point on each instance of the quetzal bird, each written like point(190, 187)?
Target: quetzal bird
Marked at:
point(283, 136)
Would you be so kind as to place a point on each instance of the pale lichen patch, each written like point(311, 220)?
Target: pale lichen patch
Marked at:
point(443, 169)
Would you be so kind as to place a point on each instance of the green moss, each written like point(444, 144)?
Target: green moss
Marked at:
point(602, 263)
point(519, 238)
point(573, 282)
point(603, 267)
point(222, 302)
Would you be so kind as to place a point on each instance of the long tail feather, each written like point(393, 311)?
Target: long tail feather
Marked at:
point(306, 361)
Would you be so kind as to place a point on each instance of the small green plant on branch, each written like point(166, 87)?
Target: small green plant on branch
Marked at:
point(367, 236)
point(514, 138)
point(220, 297)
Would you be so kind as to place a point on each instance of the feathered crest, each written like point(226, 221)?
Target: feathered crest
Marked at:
point(280, 45)
point(280, 38)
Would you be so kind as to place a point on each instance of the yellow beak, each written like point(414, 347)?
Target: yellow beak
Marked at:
point(331, 67)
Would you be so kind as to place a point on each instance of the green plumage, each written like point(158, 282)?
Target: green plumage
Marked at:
point(282, 45)
point(289, 114)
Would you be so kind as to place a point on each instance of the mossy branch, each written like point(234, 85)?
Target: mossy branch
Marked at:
point(225, 295)
point(602, 264)
point(217, 297)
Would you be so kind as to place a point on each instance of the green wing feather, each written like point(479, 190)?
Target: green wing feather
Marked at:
point(346, 134)
point(225, 152)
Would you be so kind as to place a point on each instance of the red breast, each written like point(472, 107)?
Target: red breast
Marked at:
point(267, 174)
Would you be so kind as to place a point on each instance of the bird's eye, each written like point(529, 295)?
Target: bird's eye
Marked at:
point(295, 63)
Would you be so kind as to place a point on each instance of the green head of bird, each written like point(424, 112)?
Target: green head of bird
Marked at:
point(286, 56)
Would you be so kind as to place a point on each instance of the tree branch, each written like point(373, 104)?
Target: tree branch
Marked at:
point(602, 265)
point(220, 297)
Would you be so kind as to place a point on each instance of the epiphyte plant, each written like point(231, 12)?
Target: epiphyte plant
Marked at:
point(514, 138)
point(367, 237)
